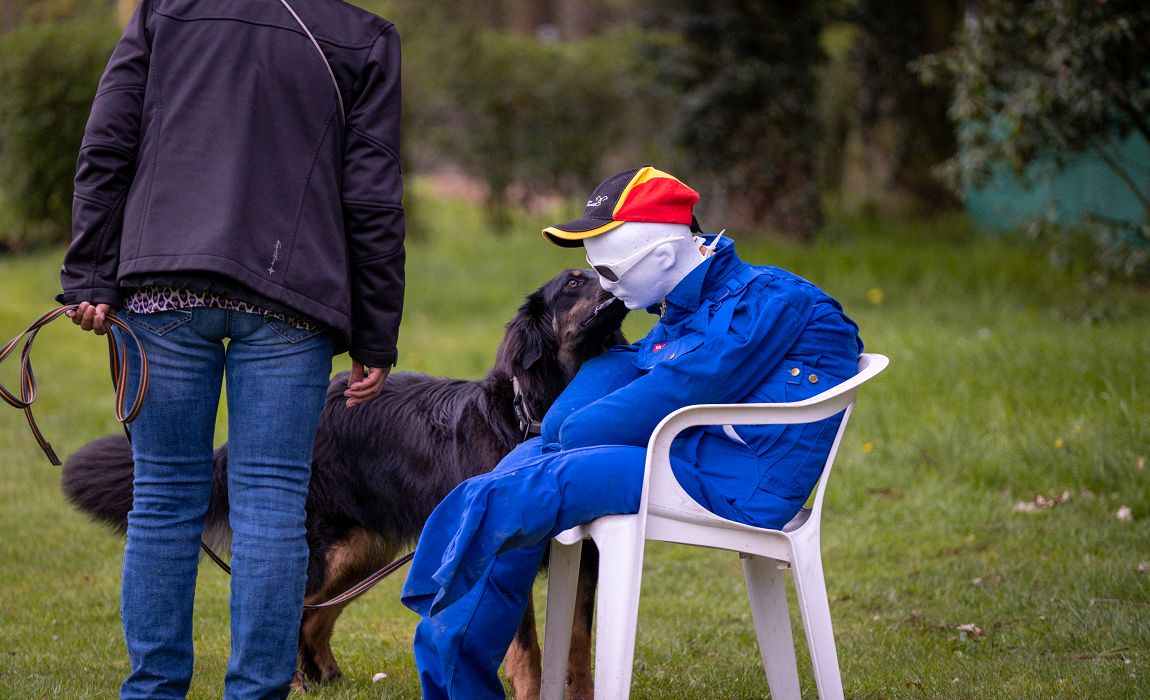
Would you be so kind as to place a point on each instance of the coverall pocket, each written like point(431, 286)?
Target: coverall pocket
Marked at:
point(158, 322)
point(655, 353)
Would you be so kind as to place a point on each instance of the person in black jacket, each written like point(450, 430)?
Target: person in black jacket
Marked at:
point(238, 204)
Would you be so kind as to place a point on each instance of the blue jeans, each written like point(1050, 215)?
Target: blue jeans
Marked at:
point(277, 378)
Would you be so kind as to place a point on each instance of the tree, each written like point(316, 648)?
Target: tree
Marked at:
point(897, 129)
point(1043, 79)
point(747, 114)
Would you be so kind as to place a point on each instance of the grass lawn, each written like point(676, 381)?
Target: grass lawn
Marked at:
point(1007, 381)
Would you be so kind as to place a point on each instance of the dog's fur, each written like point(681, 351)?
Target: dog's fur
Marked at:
point(380, 468)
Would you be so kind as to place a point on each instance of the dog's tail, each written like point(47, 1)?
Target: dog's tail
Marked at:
point(98, 481)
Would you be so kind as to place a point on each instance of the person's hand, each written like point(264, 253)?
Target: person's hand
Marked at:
point(360, 388)
point(91, 317)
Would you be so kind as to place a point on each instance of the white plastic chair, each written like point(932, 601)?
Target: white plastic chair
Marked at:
point(666, 513)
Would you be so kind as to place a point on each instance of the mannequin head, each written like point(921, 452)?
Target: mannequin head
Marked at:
point(637, 229)
point(640, 262)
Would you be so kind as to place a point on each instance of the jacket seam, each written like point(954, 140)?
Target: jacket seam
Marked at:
point(92, 274)
point(111, 146)
point(92, 200)
point(246, 268)
point(373, 205)
point(377, 143)
point(375, 258)
point(153, 78)
point(255, 23)
point(121, 88)
point(303, 194)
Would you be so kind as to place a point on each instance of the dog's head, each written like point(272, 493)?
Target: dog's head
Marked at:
point(561, 325)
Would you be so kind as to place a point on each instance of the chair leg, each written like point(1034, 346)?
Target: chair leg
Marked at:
point(811, 591)
point(562, 582)
point(621, 547)
point(766, 588)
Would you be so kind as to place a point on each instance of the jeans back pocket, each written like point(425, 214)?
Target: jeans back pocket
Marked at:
point(158, 322)
point(290, 333)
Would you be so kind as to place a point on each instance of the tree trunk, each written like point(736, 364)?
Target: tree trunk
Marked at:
point(900, 129)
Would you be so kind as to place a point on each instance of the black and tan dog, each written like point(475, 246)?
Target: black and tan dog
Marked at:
point(380, 468)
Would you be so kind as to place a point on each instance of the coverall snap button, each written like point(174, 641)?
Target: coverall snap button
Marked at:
point(794, 371)
point(813, 379)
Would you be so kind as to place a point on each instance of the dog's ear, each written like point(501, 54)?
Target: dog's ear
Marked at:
point(529, 337)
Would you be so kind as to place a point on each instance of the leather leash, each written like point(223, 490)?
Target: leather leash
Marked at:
point(118, 364)
point(527, 424)
point(347, 596)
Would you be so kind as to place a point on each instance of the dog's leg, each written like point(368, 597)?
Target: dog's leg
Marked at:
point(580, 681)
point(316, 660)
point(523, 663)
point(346, 563)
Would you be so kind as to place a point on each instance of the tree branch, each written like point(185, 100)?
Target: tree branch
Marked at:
point(1124, 176)
point(1138, 117)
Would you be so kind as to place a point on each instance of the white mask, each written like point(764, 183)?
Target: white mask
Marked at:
point(646, 260)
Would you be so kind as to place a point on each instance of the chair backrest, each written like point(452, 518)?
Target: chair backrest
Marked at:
point(870, 364)
point(837, 399)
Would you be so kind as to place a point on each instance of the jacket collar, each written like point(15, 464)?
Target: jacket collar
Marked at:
point(706, 281)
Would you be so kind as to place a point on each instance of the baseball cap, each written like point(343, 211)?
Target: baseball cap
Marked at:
point(640, 194)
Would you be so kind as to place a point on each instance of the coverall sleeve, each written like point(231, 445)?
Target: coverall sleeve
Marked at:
point(373, 205)
point(595, 379)
point(721, 370)
point(104, 170)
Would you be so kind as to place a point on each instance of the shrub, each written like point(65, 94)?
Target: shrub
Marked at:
point(532, 117)
point(48, 77)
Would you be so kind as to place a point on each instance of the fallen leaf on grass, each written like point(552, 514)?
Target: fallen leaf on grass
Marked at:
point(915, 618)
point(378, 677)
point(1124, 514)
point(1041, 502)
point(971, 629)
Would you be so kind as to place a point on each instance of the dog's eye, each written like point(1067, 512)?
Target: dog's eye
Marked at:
point(574, 282)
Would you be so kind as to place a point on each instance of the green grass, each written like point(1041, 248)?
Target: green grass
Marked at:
point(1007, 380)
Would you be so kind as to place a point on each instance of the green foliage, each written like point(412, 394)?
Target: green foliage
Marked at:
point(530, 117)
point(997, 392)
point(48, 77)
point(898, 127)
point(748, 114)
point(1045, 79)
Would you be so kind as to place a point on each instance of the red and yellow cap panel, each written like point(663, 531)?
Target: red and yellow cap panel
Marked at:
point(642, 194)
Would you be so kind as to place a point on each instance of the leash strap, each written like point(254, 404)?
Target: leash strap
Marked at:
point(118, 366)
point(326, 63)
point(347, 596)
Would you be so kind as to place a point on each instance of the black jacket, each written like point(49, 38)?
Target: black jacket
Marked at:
point(216, 158)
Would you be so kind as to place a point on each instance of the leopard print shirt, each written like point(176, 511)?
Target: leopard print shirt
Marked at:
point(146, 300)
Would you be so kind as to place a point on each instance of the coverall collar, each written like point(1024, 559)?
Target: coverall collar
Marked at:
point(702, 283)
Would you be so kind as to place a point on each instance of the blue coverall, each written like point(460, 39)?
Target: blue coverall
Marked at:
point(731, 332)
